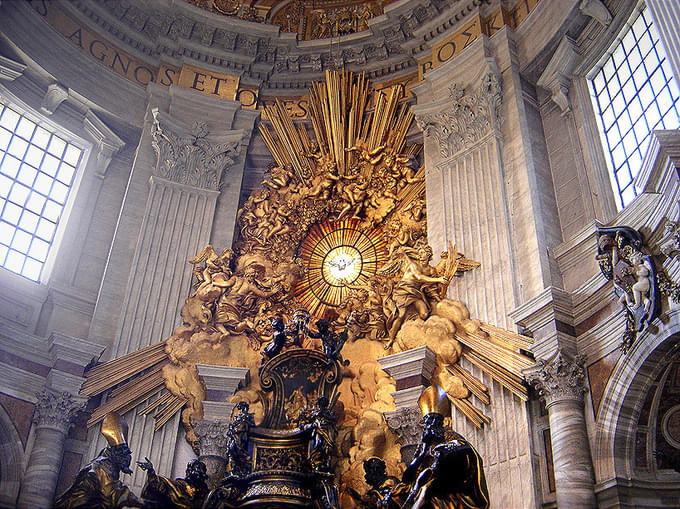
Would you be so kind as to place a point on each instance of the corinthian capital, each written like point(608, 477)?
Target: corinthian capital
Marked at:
point(56, 410)
point(212, 437)
point(466, 116)
point(406, 424)
point(562, 377)
point(192, 156)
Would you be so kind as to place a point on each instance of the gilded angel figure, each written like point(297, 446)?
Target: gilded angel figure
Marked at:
point(418, 285)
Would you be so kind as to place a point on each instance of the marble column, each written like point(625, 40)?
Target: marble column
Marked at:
point(53, 417)
point(560, 381)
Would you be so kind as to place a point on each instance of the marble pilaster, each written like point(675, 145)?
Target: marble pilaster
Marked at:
point(188, 162)
point(561, 382)
point(54, 414)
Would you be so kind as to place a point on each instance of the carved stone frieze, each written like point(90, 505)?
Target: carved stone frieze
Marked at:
point(56, 410)
point(157, 31)
point(468, 117)
point(188, 157)
point(562, 377)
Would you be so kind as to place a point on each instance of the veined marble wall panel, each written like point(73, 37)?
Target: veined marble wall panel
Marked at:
point(467, 190)
point(504, 445)
point(176, 224)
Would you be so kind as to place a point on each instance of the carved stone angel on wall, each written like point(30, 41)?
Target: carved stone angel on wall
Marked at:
point(623, 262)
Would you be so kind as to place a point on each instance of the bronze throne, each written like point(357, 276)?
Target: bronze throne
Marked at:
point(288, 460)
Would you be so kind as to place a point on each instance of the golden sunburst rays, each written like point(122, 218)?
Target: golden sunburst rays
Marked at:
point(338, 256)
point(341, 120)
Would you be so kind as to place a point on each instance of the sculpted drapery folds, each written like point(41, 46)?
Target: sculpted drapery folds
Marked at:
point(98, 484)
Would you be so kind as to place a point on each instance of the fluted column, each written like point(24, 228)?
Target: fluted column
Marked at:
point(560, 381)
point(53, 417)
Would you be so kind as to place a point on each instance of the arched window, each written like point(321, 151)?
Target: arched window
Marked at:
point(37, 172)
point(633, 93)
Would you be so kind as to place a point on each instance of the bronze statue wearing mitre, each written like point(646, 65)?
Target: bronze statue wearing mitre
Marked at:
point(163, 493)
point(443, 474)
point(97, 486)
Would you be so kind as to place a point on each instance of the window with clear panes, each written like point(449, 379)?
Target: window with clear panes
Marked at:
point(633, 93)
point(37, 171)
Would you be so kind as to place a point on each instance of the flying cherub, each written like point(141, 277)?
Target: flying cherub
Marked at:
point(214, 265)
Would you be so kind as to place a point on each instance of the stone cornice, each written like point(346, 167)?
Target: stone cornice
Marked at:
point(551, 304)
point(22, 344)
point(556, 77)
point(10, 69)
point(19, 383)
point(662, 155)
point(223, 378)
point(76, 351)
point(260, 53)
point(415, 362)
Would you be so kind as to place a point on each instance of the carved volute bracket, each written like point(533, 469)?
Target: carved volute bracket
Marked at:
point(560, 378)
point(465, 117)
point(597, 10)
point(192, 156)
point(106, 142)
point(56, 410)
point(556, 78)
point(54, 96)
